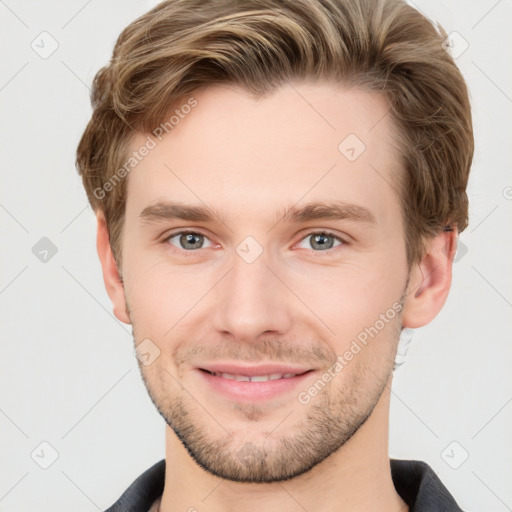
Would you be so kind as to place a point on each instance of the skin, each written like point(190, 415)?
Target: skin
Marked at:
point(298, 303)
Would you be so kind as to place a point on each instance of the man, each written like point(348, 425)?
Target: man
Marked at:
point(279, 186)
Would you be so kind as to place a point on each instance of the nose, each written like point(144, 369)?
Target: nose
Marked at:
point(252, 300)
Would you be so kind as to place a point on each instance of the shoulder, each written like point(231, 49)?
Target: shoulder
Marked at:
point(420, 487)
point(143, 491)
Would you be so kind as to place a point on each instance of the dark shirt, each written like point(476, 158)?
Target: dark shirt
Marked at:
point(414, 481)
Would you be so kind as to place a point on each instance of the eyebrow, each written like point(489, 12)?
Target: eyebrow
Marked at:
point(326, 210)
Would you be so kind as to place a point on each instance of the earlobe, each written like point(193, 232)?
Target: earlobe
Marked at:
point(430, 281)
point(113, 282)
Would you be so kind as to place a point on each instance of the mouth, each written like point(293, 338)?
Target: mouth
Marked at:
point(254, 378)
point(253, 384)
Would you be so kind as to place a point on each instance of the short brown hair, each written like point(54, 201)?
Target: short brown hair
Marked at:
point(385, 46)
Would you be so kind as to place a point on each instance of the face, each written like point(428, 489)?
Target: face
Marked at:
point(275, 322)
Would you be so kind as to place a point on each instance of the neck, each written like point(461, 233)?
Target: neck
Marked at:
point(356, 477)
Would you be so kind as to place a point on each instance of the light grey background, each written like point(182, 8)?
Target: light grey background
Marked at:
point(68, 374)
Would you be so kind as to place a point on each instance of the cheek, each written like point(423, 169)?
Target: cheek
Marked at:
point(341, 299)
point(362, 311)
point(348, 296)
point(160, 295)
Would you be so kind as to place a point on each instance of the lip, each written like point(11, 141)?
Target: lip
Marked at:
point(250, 370)
point(252, 391)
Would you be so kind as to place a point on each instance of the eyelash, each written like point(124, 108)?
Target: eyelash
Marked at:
point(312, 233)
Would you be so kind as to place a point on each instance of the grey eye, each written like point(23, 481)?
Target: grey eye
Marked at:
point(322, 241)
point(188, 240)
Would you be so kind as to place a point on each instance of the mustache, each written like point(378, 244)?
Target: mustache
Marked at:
point(265, 350)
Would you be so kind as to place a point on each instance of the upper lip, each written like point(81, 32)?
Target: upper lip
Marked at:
point(250, 370)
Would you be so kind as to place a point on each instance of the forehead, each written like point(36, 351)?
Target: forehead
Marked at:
point(303, 142)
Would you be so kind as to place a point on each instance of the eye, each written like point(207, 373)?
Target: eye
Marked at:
point(187, 240)
point(191, 241)
point(323, 241)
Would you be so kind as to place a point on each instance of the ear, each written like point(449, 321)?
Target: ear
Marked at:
point(430, 281)
point(113, 282)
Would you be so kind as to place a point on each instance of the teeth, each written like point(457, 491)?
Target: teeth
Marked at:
point(261, 378)
point(254, 378)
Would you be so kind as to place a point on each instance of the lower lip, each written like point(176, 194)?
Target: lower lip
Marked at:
point(252, 391)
